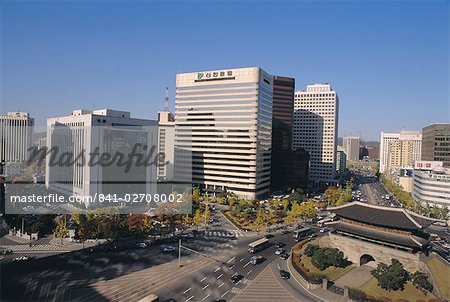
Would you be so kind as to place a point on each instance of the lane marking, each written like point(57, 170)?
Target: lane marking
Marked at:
point(221, 285)
point(203, 279)
point(231, 267)
point(223, 294)
point(241, 260)
point(217, 269)
point(205, 286)
point(186, 290)
point(234, 274)
point(249, 272)
point(189, 299)
point(247, 264)
point(231, 259)
point(206, 297)
point(219, 276)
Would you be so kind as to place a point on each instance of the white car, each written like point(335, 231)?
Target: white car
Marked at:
point(446, 245)
point(168, 249)
point(324, 230)
point(280, 251)
point(141, 245)
point(21, 258)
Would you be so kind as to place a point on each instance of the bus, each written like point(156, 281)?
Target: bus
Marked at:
point(258, 245)
point(302, 232)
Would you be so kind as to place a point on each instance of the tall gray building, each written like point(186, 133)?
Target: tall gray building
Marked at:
point(351, 147)
point(224, 117)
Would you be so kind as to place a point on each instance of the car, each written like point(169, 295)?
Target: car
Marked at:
point(312, 235)
point(268, 236)
point(280, 244)
point(219, 300)
point(256, 259)
point(168, 249)
point(285, 232)
point(141, 245)
point(280, 251)
point(446, 245)
point(236, 278)
point(284, 256)
point(324, 230)
point(21, 258)
point(284, 274)
point(447, 231)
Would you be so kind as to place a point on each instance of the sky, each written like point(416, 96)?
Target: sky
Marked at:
point(387, 60)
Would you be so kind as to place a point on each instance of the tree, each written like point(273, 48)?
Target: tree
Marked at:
point(207, 214)
point(187, 220)
point(390, 277)
point(324, 257)
point(309, 209)
point(261, 218)
point(285, 204)
point(331, 196)
point(196, 195)
point(198, 219)
point(310, 249)
point(420, 281)
point(61, 229)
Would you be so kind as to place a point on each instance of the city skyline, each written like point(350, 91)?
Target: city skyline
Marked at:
point(123, 59)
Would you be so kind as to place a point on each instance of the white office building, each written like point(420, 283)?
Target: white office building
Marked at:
point(315, 130)
point(351, 147)
point(16, 130)
point(88, 136)
point(225, 118)
point(399, 155)
point(431, 184)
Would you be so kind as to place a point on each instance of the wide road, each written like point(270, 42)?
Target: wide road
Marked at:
point(213, 282)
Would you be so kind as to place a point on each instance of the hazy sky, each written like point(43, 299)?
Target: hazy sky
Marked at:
point(388, 61)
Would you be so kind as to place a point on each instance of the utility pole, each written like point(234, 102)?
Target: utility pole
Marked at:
point(179, 253)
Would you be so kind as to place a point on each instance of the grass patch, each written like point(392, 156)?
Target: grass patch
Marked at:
point(410, 293)
point(441, 276)
point(331, 273)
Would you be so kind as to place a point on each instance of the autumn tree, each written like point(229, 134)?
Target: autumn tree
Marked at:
point(61, 229)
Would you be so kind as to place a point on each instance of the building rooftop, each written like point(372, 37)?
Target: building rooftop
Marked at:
point(396, 218)
point(378, 235)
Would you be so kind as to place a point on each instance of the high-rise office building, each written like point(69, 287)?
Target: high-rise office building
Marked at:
point(392, 153)
point(341, 160)
point(431, 184)
point(436, 143)
point(224, 117)
point(16, 129)
point(315, 130)
point(166, 140)
point(351, 147)
point(110, 135)
point(16, 133)
point(289, 168)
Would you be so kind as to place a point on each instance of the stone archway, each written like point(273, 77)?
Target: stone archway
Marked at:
point(365, 258)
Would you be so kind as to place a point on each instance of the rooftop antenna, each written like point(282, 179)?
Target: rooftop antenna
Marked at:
point(166, 100)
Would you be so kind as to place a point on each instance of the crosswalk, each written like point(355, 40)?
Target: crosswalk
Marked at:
point(223, 233)
point(24, 248)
